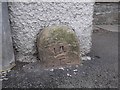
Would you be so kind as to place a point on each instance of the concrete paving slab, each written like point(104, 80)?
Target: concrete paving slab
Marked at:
point(113, 28)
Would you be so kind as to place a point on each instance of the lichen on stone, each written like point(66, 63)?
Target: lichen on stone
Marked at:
point(58, 43)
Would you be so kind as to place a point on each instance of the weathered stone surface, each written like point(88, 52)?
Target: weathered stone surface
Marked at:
point(58, 45)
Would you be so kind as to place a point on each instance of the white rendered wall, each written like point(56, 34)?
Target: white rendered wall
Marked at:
point(27, 19)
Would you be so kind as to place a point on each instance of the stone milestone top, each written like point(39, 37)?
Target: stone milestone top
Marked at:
point(58, 46)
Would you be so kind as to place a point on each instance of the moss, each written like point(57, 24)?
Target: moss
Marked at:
point(61, 35)
point(58, 45)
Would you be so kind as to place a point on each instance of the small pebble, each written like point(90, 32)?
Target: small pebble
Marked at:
point(69, 74)
point(5, 78)
point(76, 65)
point(100, 85)
point(95, 80)
point(75, 73)
point(61, 68)
point(85, 58)
point(3, 72)
point(8, 70)
point(52, 70)
point(75, 70)
point(81, 64)
point(83, 72)
point(23, 66)
point(2, 76)
point(1, 79)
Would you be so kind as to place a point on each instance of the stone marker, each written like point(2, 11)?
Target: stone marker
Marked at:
point(58, 46)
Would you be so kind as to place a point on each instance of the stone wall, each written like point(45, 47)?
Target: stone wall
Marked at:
point(106, 13)
point(27, 19)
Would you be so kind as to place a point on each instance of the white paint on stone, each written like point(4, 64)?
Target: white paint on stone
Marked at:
point(28, 18)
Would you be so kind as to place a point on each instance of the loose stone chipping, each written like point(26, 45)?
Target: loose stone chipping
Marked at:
point(27, 19)
point(58, 46)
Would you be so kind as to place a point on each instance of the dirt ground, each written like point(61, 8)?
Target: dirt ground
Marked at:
point(99, 72)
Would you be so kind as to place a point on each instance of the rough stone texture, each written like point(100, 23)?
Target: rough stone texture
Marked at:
point(58, 46)
point(106, 13)
point(27, 19)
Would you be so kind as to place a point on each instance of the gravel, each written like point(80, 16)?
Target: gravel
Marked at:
point(99, 72)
